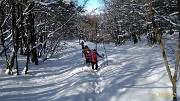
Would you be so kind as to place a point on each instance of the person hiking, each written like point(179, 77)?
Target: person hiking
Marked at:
point(82, 44)
point(94, 60)
point(87, 53)
point(83, 48)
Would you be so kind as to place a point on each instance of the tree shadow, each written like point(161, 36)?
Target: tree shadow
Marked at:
point(126, 72)
point(62, 78)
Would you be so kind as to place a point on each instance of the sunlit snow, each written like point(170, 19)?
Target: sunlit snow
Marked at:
point(133, 73)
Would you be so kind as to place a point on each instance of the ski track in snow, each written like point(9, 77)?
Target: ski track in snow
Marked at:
point(134, 73)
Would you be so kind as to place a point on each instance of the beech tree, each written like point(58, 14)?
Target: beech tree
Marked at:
point(154, 18)
point(35, 28)
point(156, 28)
point(125, 19)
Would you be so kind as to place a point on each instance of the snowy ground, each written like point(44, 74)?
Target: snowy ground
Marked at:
point(133, 73)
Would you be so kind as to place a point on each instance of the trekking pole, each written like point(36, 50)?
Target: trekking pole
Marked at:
point(178, 78)
point(105, 53)
point(82, 54)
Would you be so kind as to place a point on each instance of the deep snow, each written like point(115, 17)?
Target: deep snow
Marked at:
point(134, 73)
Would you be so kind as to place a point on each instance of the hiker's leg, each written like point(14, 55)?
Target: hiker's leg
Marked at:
point(86, 60)
point(89, 60)
point(96, 63)
point(92, 65)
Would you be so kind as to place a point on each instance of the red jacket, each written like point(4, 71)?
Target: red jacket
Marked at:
point(87, 53)
point(94, 57)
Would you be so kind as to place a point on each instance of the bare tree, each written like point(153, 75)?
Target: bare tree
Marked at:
point(125, 19)
point(173, 78)
point(35, 28)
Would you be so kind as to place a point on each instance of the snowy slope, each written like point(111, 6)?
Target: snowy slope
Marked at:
point(134, 73)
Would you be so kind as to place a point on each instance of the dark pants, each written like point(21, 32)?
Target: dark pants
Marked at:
point(88, 60)
point(94, 63)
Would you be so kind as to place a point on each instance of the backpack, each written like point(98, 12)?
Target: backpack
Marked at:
point(87, 53)
point(94, 57)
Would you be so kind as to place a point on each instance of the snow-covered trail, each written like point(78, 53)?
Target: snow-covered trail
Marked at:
point(134, 73)
point(63, 78)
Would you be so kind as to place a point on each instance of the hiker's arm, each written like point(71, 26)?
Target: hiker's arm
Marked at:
point(99, 55)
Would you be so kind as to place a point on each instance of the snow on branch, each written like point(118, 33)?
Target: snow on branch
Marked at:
point(43, 3)
point(51, 52)
point(78, 10)
point(167, 19)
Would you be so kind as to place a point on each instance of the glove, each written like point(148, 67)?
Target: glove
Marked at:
point(102, 55)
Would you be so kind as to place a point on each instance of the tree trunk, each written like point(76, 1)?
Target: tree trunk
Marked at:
point(173, 79)
point(177, 60)
point(34, 57)
point(2, 41)
point(174, 91)
point(27, 60)
point(13, 33)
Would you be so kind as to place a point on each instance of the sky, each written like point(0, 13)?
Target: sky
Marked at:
point(92, 5)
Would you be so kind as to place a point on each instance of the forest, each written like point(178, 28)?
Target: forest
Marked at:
point(38, 29)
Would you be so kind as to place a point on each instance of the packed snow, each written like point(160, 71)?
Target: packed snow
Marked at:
point(134, 73)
